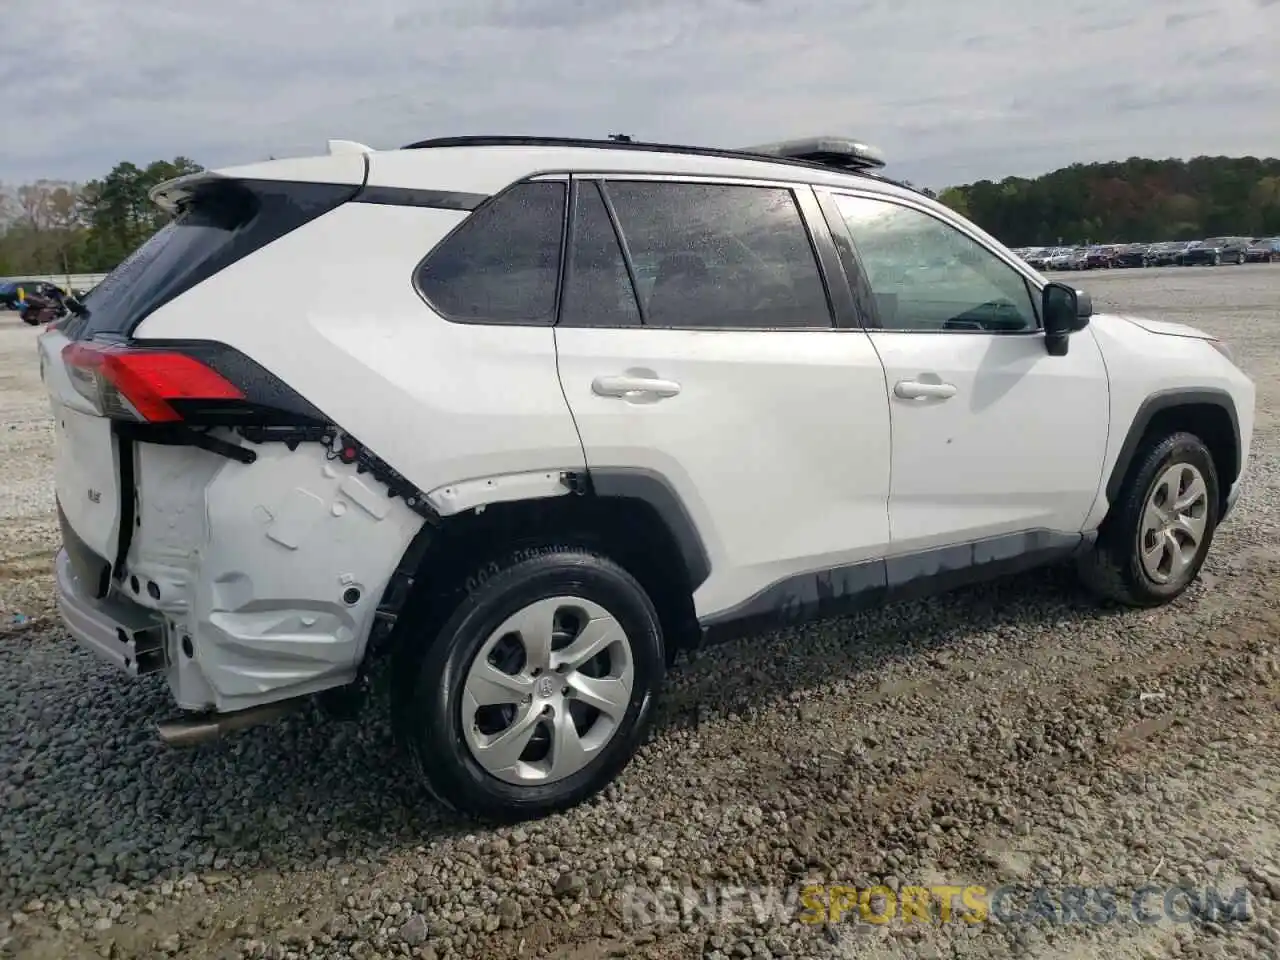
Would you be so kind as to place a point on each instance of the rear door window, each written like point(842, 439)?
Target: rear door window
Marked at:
point(598, 290)
point(502, 265)
point(723, 256)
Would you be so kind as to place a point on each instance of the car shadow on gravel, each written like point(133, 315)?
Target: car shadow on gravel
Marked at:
point(92, 797)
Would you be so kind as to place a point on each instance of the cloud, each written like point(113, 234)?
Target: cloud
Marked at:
point(952, 92)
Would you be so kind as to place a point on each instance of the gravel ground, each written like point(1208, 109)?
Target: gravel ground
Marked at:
point(1021, 735)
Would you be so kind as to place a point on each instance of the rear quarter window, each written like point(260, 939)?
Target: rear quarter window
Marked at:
point(502, 264)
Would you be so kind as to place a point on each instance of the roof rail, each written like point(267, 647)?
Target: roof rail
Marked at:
point(831, 153)
point(841, 153)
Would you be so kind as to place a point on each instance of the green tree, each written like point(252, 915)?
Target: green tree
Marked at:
point(1134, 199)
point(119, 210)
point(56, 227)
point(956, 199)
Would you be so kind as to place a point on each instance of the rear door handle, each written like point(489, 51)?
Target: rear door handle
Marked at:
point(633, 387)
point(918, 389)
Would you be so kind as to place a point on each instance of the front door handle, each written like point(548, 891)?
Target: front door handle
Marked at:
point(918, 389)
point(634, 388)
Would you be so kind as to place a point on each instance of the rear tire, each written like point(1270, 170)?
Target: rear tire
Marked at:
point(499, 720)
point(1155, 539)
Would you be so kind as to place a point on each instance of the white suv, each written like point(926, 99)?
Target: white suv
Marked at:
point(589, 402)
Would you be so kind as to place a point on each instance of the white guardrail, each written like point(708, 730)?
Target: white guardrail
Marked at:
point(76, 281)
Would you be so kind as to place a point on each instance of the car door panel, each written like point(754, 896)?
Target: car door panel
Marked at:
point(776, 441)
point(760, 443)
point(992, 436)
point(1018, 446)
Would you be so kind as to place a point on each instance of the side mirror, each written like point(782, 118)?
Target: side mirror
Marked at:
point(1084, 309)
point(1064, 310)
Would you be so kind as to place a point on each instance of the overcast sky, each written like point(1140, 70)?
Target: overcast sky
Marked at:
point(952, 90)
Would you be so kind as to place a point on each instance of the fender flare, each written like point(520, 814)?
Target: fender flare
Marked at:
point(655, 490)
point(1167, 400)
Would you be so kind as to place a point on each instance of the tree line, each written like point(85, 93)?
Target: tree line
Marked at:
point(1135, 200)
point(51, 227)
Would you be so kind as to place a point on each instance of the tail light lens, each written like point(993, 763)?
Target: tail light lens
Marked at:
point(144, 385)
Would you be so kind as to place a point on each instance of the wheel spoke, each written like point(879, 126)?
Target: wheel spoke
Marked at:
point(1177, 558)
point(597, 635)
point(1152, 518)
point(568, 754)
point(1153, 555)
point(1195, 492)
point(609, 695)
point(502, 751)
point(489, 686)
point(534, 625)
point(1191, 527)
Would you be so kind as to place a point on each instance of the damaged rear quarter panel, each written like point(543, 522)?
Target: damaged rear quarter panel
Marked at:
point(258, 566)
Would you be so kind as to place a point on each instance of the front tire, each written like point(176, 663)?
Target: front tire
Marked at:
point(536, 687)
point(1155, 539)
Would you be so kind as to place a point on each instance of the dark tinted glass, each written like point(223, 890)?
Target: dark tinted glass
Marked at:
point(503, 264)
point(598, 291)
point(222, 222)
point(715, 255)
point(157, 264)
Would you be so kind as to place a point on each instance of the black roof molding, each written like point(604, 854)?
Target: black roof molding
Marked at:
point(838, 154)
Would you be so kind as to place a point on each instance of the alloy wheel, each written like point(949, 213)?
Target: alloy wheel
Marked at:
point(1173, 523)
point(547, 691)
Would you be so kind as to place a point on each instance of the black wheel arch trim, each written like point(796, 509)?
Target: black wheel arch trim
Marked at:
point(654, 489)
point(1167, 400)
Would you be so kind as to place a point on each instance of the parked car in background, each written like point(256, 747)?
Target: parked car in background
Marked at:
point(1040, 258)
point(8, 296)
point(1164, 254)
point(14, 292)
point(1099, 258)
point(1079, 259)
point(1217, 250)
point(1132, 255)
point(1266, 250)
point(1060, 259)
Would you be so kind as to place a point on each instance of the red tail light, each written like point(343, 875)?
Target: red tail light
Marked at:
point(128, 383)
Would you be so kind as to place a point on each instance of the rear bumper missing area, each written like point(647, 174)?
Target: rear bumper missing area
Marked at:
point(114, 628)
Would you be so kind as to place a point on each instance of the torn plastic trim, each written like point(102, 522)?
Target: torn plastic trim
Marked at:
point(183, 435)
point(345, 448)
point(478, 493)
point(339, 444)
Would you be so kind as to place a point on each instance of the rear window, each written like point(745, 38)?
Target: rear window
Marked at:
point(222, 222)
